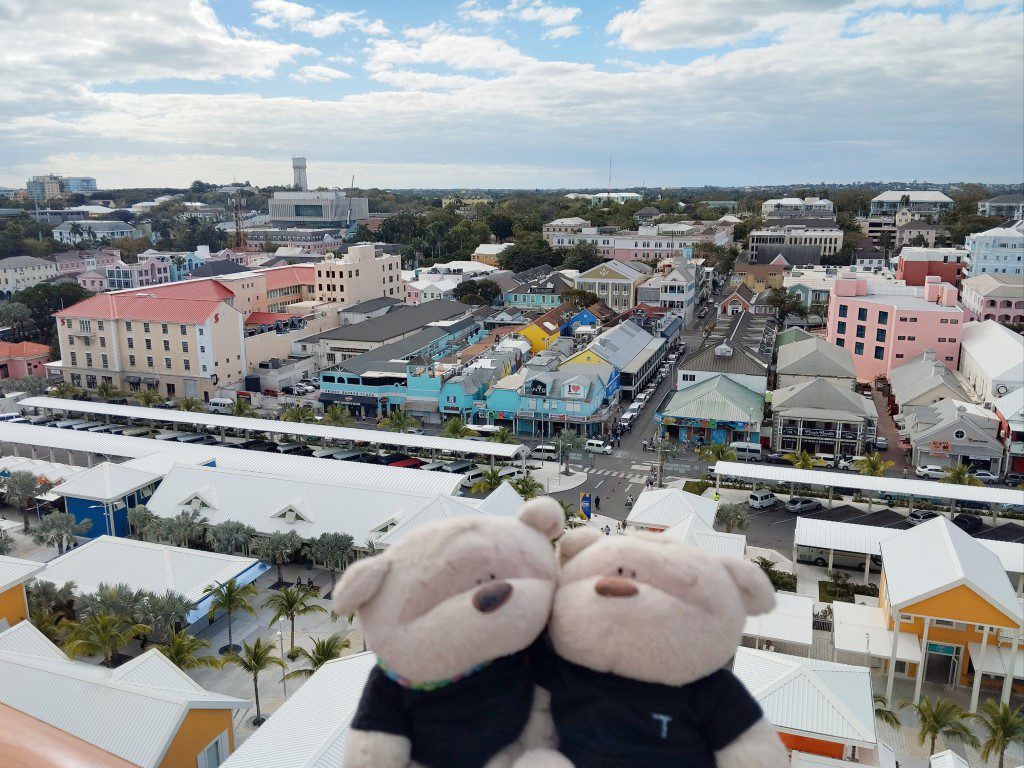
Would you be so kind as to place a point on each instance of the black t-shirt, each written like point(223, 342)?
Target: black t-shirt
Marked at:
point(607, 721)
point(460, 725)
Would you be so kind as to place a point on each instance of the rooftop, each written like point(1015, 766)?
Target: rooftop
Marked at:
point(371, 305)
point(822, 399)
point(815, 357)
point(915, 196)
point(145, 305)
point(397, 322)
point(667, 507)
point(996, 349)
point(719, 398)
point(14, 571)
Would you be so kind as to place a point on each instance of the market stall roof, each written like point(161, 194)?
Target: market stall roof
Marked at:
point(773, 473)
point(862, 629)
point(997, 660)
point(321, 431)
point(790, 621)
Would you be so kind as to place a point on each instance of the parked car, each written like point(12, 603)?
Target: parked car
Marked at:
point(985, 476)
point(411, 463)
point(846, 462)
point(930, 472)
point(919, 516)
point(881, 442)
point(761, 499)
point(288, 390)
point(271, 392)
point(969, 523)
point(511, 473)
point(776, 457)
point(415, 431)
point(598, 446)
point(799, 505)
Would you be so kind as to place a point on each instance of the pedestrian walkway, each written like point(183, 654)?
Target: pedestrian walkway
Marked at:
point(631, 477)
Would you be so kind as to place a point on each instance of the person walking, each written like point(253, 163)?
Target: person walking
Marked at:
point(716, 497)
point(643, 444)
point(597, 503)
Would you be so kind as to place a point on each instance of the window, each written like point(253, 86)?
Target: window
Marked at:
point(188, 365)
point(163, 327)
point(149, 361)
point(127, 325)
point(167, 345)
point(74, 358)
point(861, 330)
point(88, 359)
point(104, 362)
point(901, 338)
point(840, 342)
point(843, 309)
point(944, 320)
point(899, 355)
point(880, 334)
point(145, 327)
point(953, 322)
point(184, 347)
point(103, 341)
point(131, 343)
point(84, 325)
point(149, 343)
point(131, 360)
point(911, 338)
point(167, 362)
point(959, 434)
point(182, 329)
point(862, 313)
point(841, 326)
point(949, 358)
point(858, 348)
point(879, 353)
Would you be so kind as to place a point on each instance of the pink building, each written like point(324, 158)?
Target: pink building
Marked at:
point(886, 324)
point(75, 262)
point(25, 358)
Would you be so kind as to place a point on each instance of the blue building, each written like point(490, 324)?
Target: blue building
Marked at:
point(104, 494)
point(541, 293)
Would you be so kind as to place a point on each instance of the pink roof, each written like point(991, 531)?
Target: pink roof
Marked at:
point(266, 318)
point(295, 274)
point(22, 349)
point(142, 304)
point(205, 288)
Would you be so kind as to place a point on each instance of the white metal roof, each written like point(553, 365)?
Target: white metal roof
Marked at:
point(863, 629)
point(665, 507)
point(774, 473)
point(503, 501)
point(437, 509)
point(806, 696)
point(997, 660)
point(15, 571)
point(53, 472)
point(340, 472)
point(322, 431)
point(694, 531)
point(310, 728)
point(937, 556)
point(143, 565)
point(106, 482)
point(947, 759)
point(791, 620)
point(133, 711)
point(270, 503)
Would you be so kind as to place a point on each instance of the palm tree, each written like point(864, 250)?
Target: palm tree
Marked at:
point(456, 427)
point(399, 421)
point(1002, 727)
point(942, 717)
point(140, 520)
point(65, 390)
point(182, 650)
point(50, 623)
point(164, 613)
point(338, 416)
point(254, 659)
point(958, 474)
point(290, 602)
point(242, 407)
point(187, 526)
point(116, 599)
point(6, 543)
point(47, 596)
point(573, 518)
point(324, 649)
point(872, 465)
point(21, 489)
point(712, 453)
point(103, 633)
point(489, 480)
point(802, 460)
point(59, 529)
point(148, 398)
point(230, 597)
point(277, 548)
point(568, 442)
point(230, 537)
point(503, 435)
point(528, 487)
point(883, 713)
point(331, 550)
point(191, 405)
point(299, 414)
point(106, 391)
point(732, 517)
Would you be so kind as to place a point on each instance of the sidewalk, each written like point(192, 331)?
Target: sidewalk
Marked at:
point(551, 476)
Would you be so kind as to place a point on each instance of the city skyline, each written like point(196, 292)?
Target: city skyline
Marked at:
point(521, 94)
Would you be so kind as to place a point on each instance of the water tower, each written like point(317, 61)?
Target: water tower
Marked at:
point(299, 173)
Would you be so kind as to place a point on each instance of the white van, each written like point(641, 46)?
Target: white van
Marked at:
point(511, 473)
point(826, 459)
point(598, 446)
point(220, 405)
point(545, 452)
point(746, 451)
point(761, 499)
point(472, 476)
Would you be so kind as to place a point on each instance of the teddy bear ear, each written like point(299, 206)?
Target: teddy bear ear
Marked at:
point(545, 515)
point(360, 584)
point(574, 542)
point(755, 588)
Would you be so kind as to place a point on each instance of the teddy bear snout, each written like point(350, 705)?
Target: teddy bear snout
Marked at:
point(610, 586)
point(492, 597)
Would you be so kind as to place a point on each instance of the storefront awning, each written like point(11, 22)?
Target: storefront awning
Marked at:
point(862, 629)
point(133, 379)
point(337, 397)
point(997, 660)
point(151, 380)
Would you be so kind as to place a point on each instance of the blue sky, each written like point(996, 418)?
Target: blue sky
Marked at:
point(520, 93)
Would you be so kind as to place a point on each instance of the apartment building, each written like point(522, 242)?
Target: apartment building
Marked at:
point(45, 187)
point(797, 206)
point(1004, 206)
point(75, 262)
point(657, 241)
point(614, 282)
point(820, 233)
point(888, 324)
point(997, 251)
point(561, 229)
point(930, 203)
point(148, 270)
point(915, 265)
point(363, 273)
point(20, 272)
point(676, 289)
point(932, 234)
point(23, 358)
point(80, 184)
point(992, 296)
point(759, 277)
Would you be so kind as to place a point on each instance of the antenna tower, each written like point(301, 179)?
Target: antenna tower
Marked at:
point(239, 243)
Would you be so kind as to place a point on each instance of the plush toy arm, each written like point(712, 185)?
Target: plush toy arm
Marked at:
point(757, 747)
point(539, 732)
point(376, 749)
point(542, 758)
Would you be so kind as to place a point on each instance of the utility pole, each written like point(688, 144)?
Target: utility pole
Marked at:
point(239, 243)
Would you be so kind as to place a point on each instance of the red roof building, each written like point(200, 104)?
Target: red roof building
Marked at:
point(25, 358)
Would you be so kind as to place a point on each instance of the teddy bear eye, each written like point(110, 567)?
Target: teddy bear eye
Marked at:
point(633, 574)
point(479, 582)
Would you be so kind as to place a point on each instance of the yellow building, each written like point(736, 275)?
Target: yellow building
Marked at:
point(547, 328)
point(954, 595)
point(147, 711)
point(759, 277)
point(13, 602)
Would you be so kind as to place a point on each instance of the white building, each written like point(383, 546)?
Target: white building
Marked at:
point(927, 202)
point(796, 205)
point(825, 236)
point(675, 290)
point(606, 197)
point(999, 250)
point(992, 359)
point(1006, 206)
point(657, 241)
point(317, 209)
point(363, 273)
point(19, 272)
point(73, 232)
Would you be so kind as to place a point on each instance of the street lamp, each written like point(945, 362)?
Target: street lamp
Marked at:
point(280, 641)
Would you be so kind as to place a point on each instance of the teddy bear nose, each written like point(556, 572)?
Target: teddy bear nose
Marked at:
point(609, 586)
point(492, 597)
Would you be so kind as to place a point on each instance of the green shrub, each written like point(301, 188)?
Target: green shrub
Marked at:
point(696, 486)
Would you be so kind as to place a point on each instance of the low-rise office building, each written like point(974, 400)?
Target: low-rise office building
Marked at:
point(823, 416)
point(1009, 206)
point(654, 241)
point(797, 206)
point(994, 296)
point(363, 273)
point(317, 209)
point(20, 272)
point(931, 203)
point(819, 233)
point(74, 232)
point(951, 432)
point(915, 265)
point(998, 250)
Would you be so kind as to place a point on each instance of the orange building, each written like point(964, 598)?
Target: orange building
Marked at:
point(13, 602)
point(146, 712)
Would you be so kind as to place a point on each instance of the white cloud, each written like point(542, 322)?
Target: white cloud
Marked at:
point(339, 59)
point(272, 14)
point(522, 10)
point(560, 33)
point(473, 11)
point(317, 73)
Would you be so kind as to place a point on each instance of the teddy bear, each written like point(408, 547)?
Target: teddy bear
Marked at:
point(452, 611)
point(641, 629)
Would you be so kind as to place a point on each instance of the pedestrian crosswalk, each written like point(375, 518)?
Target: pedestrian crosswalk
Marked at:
point(631, 476)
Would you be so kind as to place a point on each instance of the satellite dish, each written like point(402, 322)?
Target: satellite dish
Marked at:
point(1001, 389)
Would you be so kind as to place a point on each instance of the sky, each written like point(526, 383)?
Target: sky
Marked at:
point(512, 93)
